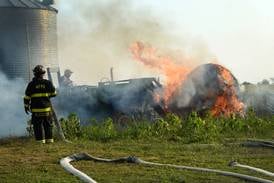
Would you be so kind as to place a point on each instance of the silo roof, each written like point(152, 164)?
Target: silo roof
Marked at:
point(31, 4)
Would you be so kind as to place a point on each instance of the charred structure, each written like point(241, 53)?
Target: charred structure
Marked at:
point(133, 99)
point(209, 87)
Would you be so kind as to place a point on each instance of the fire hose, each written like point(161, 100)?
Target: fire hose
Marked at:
point(236, 164)
point(258, 143)
point(65, 163)
point(58, 126)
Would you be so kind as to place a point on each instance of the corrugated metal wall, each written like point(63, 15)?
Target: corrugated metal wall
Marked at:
point(27, 37)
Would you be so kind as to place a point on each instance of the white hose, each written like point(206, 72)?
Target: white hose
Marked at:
point(265, 172)
point(83, 156)
point(65, 163)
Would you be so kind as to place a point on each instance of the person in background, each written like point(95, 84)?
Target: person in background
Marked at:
point(65, 80)
point(37, 101)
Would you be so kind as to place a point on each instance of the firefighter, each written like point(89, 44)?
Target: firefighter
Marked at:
point(65, 80)
point(37, 101)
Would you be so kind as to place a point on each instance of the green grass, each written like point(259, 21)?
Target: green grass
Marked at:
point(192, 141)
point(22, 160)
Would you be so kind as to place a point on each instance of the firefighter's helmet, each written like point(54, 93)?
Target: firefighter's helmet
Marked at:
point(39, 70)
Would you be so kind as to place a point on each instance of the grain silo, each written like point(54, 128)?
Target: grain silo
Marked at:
point(28, 36)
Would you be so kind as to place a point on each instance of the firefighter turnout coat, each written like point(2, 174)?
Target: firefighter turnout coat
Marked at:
point(38, 94)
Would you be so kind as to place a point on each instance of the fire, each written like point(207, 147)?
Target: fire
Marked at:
point(174, 73)
point(227, 102)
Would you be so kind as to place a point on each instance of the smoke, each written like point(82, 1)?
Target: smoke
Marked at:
point(13, 119)
point(96, 35)
point(259, 97)
point(79, 100)
point(131, 97)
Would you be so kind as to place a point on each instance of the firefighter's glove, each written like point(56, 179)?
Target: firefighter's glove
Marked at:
point(27, 110)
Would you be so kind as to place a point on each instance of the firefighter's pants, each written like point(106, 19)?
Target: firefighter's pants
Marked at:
point(42, 125)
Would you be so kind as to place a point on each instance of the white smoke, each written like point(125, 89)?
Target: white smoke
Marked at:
point(259, 97)
point(13, 120)
point(96, 35)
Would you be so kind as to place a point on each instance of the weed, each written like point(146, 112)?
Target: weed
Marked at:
point(71, 126)
point(192, 129)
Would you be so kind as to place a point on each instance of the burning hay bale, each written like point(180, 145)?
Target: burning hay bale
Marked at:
point(209, 87)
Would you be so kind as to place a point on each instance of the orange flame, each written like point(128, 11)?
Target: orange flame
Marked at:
point(175, 73)
point(227, 102)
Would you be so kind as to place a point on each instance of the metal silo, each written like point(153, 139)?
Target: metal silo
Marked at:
point(28, 36)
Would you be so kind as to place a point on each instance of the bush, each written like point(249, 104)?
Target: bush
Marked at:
point(192, 129)
point(103, 131)
point(168, 127)
point(141, 130)
point(198, 129)
point(71, 127)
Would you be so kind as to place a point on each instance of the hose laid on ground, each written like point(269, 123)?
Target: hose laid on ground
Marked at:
point(60, 132)
point(65, 163)
point(258, 143)
point(236, 164)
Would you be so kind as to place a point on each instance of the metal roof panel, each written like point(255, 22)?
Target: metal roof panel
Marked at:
point(16, 3)
point(35, 4)
point(28, 3)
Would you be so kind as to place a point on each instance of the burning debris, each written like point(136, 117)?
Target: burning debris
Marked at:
point(174, 73)
point(227, 102)
point(208, 87)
